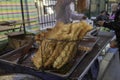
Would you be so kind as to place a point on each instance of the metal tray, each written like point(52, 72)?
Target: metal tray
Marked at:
point(16, 53)
point(88, 42)
point(64, 72)
point(67, 69)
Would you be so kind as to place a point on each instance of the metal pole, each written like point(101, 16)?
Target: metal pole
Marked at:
point(22, 12)
point(106, 5)
point(90, 9)
point(37, 4)
point(98, 6)
point(27, 11)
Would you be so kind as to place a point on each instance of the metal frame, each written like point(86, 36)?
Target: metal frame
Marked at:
point(23, 19)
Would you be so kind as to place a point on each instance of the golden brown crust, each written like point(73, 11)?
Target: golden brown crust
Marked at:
point(86, 28)
point(57, 53)
point(37, 61)
point(68, 51)
point(84, 48)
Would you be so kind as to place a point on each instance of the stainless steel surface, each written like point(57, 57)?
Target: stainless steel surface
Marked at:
point(88, 43)
point(83, 67)
point(21, 50)
point(18, 77)
point(65, 71)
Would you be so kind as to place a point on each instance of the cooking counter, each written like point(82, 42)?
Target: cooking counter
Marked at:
point(80, 70)
point(85, 64)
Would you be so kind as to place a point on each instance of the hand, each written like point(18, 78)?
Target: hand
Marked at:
point(84, 17)
point(100, 23)
point(113, 44)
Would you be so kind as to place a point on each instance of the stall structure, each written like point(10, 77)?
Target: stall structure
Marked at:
point(19, 60)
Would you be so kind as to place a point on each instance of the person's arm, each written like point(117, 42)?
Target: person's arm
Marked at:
point(75, 16)
point(117, 15)
point(110, 25)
